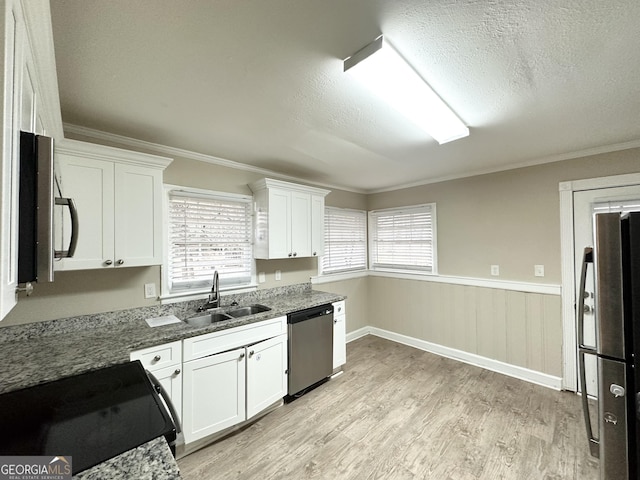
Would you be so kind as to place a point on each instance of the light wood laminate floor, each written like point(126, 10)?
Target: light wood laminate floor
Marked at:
point(401, 413)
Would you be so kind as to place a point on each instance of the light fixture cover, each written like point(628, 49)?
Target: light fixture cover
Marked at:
point(381, 68)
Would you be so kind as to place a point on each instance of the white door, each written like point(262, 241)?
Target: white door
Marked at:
point(317, 225)
point(90, 183)
point(585, 203)
point(300, 224)
point(339, 335)
point(213, 394)
point(171, 380)
point(138, 216)
point(266, 374)
point(279, 222)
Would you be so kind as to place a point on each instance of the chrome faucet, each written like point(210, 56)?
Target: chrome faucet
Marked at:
point(214, 296)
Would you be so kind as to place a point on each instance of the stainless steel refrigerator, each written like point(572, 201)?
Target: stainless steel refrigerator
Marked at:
point(615, 258)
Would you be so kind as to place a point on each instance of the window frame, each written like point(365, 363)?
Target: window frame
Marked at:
point(345, 271)
point(201, 292)
point(399, 268)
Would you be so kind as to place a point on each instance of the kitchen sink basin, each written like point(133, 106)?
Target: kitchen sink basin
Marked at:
point(220, 316)
point(208, 319)
point(248, 310)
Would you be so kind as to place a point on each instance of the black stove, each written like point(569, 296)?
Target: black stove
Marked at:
point(91, 417)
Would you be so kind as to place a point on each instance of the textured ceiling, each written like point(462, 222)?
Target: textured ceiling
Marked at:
point(260, 82)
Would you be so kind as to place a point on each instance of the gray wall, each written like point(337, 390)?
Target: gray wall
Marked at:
point(510, 218)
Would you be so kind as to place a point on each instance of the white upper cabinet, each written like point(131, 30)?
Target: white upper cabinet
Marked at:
point(289, 219)
point(118, 197)
point(29, 102)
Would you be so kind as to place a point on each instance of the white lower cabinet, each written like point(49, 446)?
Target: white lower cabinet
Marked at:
point(213, 394)
point(339, 335)
point(266, 374)
point(165, 363)
point(223, 389)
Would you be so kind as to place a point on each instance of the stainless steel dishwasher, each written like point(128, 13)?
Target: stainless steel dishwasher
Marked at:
point(310, 348)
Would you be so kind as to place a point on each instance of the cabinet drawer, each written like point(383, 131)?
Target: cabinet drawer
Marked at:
point(339, 308)
point(216, 342)
point(160, 356)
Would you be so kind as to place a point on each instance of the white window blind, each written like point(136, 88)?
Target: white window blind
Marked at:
point(403, 239)
point(345, 240)
point(208, 233)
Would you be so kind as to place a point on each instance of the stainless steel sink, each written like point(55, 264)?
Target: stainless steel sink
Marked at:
point(248, 310)
point(220, 315)
point(208, 319)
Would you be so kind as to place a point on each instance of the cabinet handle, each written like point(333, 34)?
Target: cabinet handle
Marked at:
point(120, 262)
point(251, 353)
point(241, 355)
point(290, 255)
point(157, 358)
point(294, 254)
point(314, 254)
point(108, 262)
point(177, 372)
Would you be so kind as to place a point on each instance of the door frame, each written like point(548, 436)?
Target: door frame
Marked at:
point(567, 256)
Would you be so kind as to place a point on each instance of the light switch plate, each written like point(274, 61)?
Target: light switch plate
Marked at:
point(149, 290)
point(278, 274)
point(261, 277)
point(538, 270)
point(495, 270)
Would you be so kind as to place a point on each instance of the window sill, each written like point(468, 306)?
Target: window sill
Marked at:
point(337, 277)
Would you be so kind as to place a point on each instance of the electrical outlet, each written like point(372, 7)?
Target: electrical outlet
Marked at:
point(495, 270)
point(149, 290)
point(261, 277)
point(278, 274)
point(538, 270)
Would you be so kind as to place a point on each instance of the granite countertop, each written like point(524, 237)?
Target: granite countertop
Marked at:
point(46, 351)
point(153, 460)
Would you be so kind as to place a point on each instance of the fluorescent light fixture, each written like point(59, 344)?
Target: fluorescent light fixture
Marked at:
point(381, 68)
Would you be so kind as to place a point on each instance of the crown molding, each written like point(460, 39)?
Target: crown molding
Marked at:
point(529, 163)
point(188, 154)
point(182, 153)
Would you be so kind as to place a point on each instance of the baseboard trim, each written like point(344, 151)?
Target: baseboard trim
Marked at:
point(497, 366)
point(356, 334)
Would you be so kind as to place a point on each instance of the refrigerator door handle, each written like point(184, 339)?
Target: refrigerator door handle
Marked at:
point(594, 443)
point(587, 259)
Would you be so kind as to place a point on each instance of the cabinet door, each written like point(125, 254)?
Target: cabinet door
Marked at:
point(339, 335)
point(213, 394)
point(90, 183)
point(317, 225)
point(266, 374)
point(300, 224)
point(14, 36)
point(279, 223)
point(137, 216)
point(171, 380)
